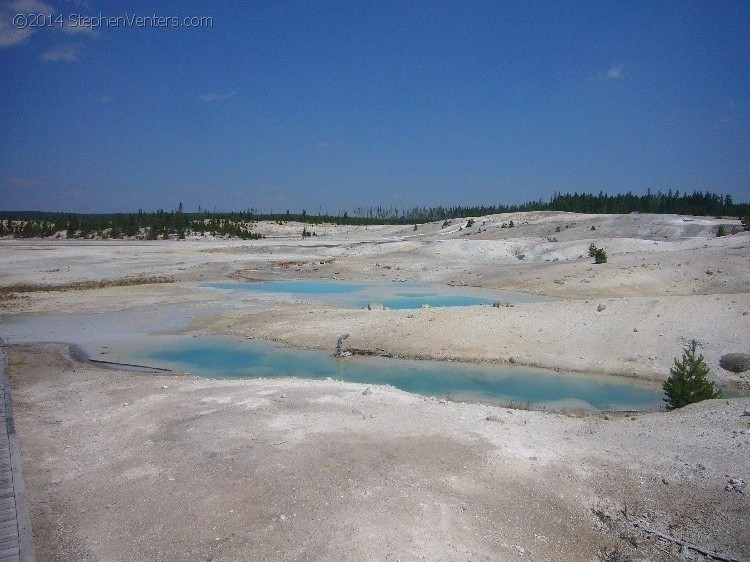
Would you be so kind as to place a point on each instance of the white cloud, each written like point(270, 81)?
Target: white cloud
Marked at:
point(17, 24)
point(105, 100)
point(12, 30)
point(615, 72)
point(214, 96)
point(10, 36)
point(64, 53)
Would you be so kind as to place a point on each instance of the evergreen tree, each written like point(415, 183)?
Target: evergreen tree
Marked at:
point(688, 380)
point(599, 254)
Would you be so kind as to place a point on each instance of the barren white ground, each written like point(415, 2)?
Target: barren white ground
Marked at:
point(124, 465)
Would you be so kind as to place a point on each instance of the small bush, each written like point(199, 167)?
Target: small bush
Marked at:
point(599, 254)
point(721, 231)
point(688, 380)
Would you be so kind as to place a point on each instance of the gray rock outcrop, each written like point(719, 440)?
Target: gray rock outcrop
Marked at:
point(735, 362)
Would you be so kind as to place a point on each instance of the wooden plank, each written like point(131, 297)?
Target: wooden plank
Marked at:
point(14, 486)
point(10, 552)
point(9, 543)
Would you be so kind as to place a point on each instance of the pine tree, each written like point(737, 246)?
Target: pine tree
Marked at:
point(599, 254)
point(745, 220)
point(688, 380)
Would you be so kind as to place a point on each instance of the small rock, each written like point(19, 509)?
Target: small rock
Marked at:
point(424, 305)
point(635, 329)
point(164, 387)
point(374, 306)
point(367, 391)
point(494, 418)
point(709, 272)
point(442, 401)
point(559, 282)
point(735, 485)
point(282, 396)
point(511, 359)
point(600, 308)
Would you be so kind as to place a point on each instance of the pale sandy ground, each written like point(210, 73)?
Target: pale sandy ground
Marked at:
point(325, 472)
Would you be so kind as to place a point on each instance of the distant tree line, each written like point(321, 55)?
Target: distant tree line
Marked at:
point(178, 224)
point(150, 226)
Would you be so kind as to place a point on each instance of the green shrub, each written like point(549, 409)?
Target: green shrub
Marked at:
point(599, 254)
point(721, 231)
point(688, 380)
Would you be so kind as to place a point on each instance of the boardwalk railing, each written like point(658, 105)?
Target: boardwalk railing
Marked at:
point(16, 540)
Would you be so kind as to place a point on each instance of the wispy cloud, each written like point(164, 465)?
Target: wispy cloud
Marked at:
point(77, 29)
point(215, 96)
point(615, 72)
point(64, 53)
point(104, 100)
point(9, 36)
point(17, 182)
point(17, 26)
point(13, 31)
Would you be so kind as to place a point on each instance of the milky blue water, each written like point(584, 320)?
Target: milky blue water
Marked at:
point(358, 294)
point(227, 358)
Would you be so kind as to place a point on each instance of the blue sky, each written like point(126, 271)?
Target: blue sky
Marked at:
point(336, 105)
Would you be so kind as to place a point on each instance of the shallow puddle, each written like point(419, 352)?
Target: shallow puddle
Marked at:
point(228, 358)
point(393, 295)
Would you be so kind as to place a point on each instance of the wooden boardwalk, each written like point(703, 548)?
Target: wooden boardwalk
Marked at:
point(16, 541)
